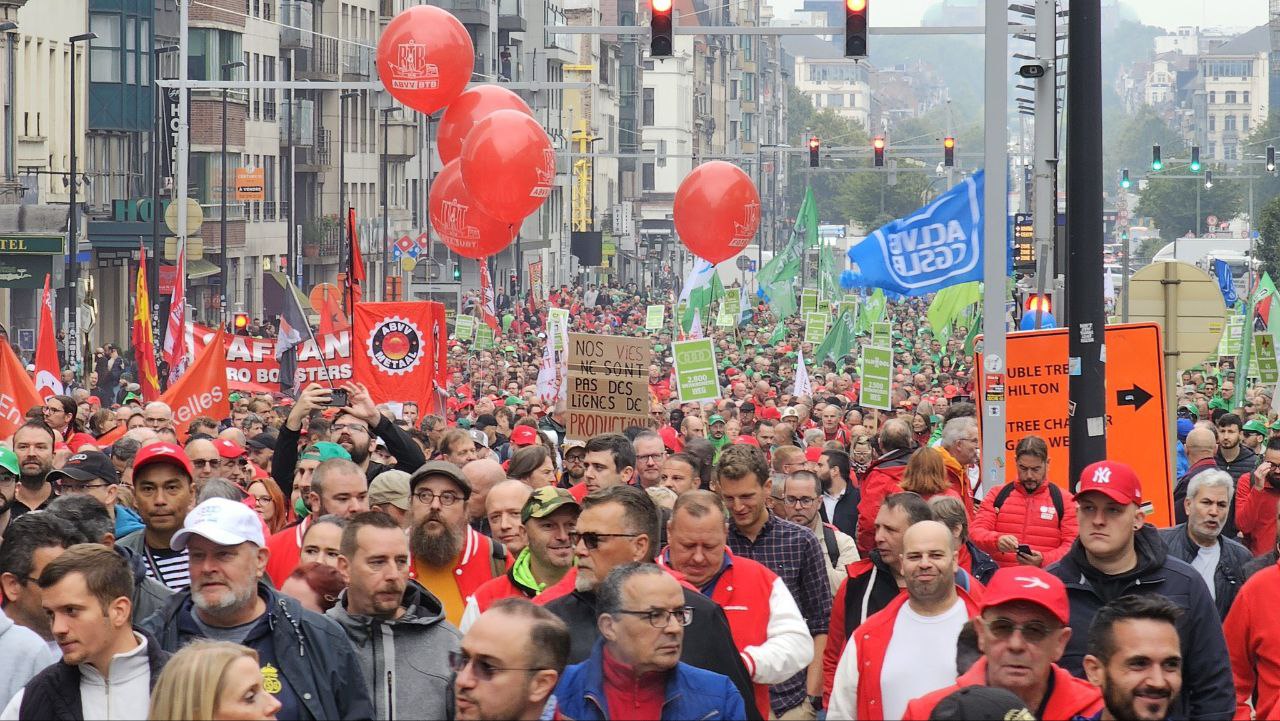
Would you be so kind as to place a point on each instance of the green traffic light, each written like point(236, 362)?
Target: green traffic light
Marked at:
point(1195, 167)
point(1157, 165)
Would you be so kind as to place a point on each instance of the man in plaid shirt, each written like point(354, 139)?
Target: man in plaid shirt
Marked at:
point(789, 550)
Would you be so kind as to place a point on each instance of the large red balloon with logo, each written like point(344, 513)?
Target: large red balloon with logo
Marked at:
point(425, 58)
point(461, 224)
point(508, 165)
point(717, 211)
point(472, 106)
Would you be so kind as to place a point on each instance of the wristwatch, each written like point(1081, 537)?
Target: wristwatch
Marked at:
point(816, 702)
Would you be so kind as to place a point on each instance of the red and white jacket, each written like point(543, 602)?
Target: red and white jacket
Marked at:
point(768, 629)
point(475, 566)
point(855, 692)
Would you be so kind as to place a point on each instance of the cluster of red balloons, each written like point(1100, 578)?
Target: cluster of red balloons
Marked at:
point(717, 211)
point(499, 162)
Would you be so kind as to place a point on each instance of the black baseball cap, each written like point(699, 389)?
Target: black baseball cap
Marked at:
point(262, 441)
point(981, 703)
point(84, 467)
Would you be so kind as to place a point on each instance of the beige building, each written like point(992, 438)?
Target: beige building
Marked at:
point(1230, 99)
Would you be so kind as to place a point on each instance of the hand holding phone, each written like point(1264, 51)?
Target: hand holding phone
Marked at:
point(1024, 549)
point(338, 398)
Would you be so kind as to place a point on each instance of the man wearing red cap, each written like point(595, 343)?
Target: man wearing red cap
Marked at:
point(1022, 631)
point(1117, 554)
point(233, 463)
point(164, 489)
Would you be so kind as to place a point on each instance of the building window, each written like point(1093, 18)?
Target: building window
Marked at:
point(1213, 97)
point(209, 50)
point(646, 176)
point(1231, 97)
point(1244, 123)
point(1213, 123)
point(835, 101)
point(1246, 97)
point(647, 107)
point(104, 53)
point(1229, 122)
point(733, 89)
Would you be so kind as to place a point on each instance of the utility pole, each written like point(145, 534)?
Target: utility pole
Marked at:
point(995, 204)
point(1045, 159)
point(1086, 316)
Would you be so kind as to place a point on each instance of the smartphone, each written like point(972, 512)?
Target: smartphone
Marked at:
point(338, 398)
point(1024, 549)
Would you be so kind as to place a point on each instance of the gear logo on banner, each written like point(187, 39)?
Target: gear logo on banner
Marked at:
point(395, 346)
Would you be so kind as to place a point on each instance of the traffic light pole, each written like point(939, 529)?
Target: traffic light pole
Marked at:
point(990, 380)
point(1044, 210)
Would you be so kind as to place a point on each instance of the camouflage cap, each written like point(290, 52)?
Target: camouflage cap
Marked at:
point(545, 501)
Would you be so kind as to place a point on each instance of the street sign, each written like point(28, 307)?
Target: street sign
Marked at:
point(1035, 386)
point(195, 216)
point(1197, 306)
point(608, 384)
point(27, 340)
point(696, 370)
point(743, 262)
point(877, 378)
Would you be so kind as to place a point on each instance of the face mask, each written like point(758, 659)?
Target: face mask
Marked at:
point(300, 506)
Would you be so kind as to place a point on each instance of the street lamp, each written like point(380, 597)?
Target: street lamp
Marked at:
point(156, 171)
point(73, 267)
point(342, 174)
point(386, 223)
point(222, 260)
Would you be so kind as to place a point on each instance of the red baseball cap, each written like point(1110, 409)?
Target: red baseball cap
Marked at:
point(671, 439)
point(1029, 584)
point(524, 436)
point(769, 412)
point(950, 392)
point(162, 453)
point(745, 439)
point(1113, 479)
point(813, 454)
point(228, 448)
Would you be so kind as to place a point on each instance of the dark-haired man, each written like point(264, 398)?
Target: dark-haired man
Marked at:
point(33, 444)
point(32, 542)
point(1233, 457)
point(489, 695)
point(1136, 660)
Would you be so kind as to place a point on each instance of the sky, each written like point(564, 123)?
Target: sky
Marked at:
point(1161, 13)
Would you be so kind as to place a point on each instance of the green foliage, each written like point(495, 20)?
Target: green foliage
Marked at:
point(1171, 203)
point(1267, 249)
point(835, 131)
point(859, 197)
point(1130, 146)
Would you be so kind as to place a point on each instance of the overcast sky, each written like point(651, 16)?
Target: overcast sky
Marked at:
point(1162, 13)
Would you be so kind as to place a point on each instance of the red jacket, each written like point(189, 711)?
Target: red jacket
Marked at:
point(1252, 630)
point(286, 551)
point(883, 475)
point(1032, 518)
point(476, 566)
point(1071, 696)
point(870, 644)
point(1256, 515)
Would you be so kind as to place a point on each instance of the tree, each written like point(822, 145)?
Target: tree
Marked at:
point(834, 131)
point(1267, 249)
point(869, 201)
point(1130, 146)
point(1171, 204)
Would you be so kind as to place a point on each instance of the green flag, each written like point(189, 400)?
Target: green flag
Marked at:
point(701, 299)
point(779, 334)
point(872, 311)
point(948, 304)
point(778, 277)
point(839, 339)
point(974, 328)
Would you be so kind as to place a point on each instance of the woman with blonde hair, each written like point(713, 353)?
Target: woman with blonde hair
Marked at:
point(926, 475)
point(212, 680)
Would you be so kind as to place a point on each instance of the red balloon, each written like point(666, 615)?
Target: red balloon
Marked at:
point(463, 227)
point(425, 58)
point(508, 165)
point(472, 106)
point(717, 211)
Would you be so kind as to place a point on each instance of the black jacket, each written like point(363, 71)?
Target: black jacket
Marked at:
point(54, 693)
point(846, 511)
point(1244, 463)
point(1208, 691)
point(708, 642)
point(984, 566)
point(1229, 576)
point(400, 445)
point(313, 653)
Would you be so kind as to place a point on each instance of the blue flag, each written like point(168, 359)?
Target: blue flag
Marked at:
point(938, 246)
point(1225, 282)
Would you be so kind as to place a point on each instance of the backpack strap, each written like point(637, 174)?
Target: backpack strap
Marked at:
point(497, 559)
point(833, 549)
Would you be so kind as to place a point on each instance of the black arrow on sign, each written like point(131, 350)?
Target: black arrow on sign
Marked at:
point(1135, 396)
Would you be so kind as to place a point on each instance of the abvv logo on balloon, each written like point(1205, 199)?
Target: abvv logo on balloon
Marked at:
point(546, 175)
point(745, 230)
point(454, 215)
point(412, 71)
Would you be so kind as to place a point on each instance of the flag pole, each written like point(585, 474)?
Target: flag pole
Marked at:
point(312, 334)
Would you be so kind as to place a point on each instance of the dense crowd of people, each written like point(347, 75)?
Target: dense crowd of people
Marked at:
point(764, 555)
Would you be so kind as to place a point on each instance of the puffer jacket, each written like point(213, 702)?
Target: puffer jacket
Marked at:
point(882, 476)
point(1208, 691)
point(404, 661)
point(1032, 518)
point(1069, 696)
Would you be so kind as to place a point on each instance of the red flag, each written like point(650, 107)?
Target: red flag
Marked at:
point(144, 347)
point(487, 313)
point(202, 390)
point(17, 392)
point(393, 351)
point(355, 276)
point(48, 372)
point(177, 353)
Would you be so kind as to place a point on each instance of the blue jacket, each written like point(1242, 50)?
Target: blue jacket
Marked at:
point(692, 694)
point(127, 521)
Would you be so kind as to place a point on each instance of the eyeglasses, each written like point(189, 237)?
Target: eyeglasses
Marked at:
point(1032, 632)
point(591, 539)
point(651, 458)
point(77, 487)
point(262, 500)
point(799, 501)
point(340, 427)
point(7, 479)
point(425, 496)
point(483, 670)
point(661, 617)
point(204, 463)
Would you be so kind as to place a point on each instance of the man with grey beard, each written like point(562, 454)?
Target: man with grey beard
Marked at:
point(450, 558)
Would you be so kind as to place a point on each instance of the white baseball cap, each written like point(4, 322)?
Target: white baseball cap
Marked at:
point(223, 521)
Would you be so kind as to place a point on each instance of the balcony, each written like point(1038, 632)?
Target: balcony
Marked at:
point(296, 21)
point(320, 63)
point(511, 16)
point(358, 62)
point(298, 116)
point(314, 158)
point(468, 12)
point(402, 140)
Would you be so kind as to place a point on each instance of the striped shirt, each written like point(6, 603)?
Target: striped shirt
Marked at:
point(169, 567)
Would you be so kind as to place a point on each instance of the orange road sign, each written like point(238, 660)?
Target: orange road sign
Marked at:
point(1034, 387)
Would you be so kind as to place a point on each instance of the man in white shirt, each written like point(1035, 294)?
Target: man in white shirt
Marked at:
point(107, 668)
point(907, 649)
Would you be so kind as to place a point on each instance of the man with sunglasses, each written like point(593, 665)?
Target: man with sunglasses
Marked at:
point(233, 462)
point(635, 668)
point(91, 473)
point(1022, 631)
point(205, 459)
point(497, 680)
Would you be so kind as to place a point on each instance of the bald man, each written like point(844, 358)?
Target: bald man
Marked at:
point(204, 460)
point(882, 668)
point(502, 510)
point(483, 474)
point(1201, 445)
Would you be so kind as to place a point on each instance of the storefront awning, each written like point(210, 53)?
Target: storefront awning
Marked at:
point(201, 268)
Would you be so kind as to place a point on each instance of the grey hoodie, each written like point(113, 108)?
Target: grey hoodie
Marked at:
point(405, 661)
point(23, 654)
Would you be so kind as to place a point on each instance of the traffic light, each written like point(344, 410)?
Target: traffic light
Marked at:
point(240, 322)
point(1041, 302)
point(815, 146)
point(1271, 158)
point(1208, 179)
point(457, 271)
point(1124, 179)
point(1195, 158)
point(855, 28)
point(660, 26)
point(878, 146)
point(949, 152)
point(1156, 163)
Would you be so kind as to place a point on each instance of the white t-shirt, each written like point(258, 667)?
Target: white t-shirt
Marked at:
point(921, 656)
point(1206, 563)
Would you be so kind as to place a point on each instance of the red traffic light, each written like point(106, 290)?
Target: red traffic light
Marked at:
point(948, 143)
point(241, 321)
point(814, 143)
point(878, 143)
point(1038, 302)
point(660, 6)
point(856, 6)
